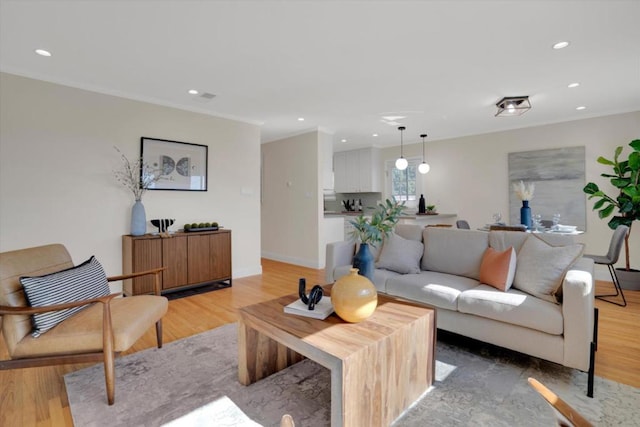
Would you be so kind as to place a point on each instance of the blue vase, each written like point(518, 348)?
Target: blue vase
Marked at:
point(363, 261)
point(525, 214)
point(138, 219)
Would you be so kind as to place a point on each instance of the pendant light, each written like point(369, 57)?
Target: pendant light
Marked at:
point(401, 162)
point(424, 166)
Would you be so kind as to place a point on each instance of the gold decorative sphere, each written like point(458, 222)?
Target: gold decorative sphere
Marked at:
point(354, 297)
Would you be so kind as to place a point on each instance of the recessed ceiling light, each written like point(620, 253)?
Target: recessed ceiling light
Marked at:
point(560, 45)
point(580, 108)
point(43, 52)
point(343, 140)
point(375, 134)
point(301, 119)
point(572, 85)
point(193, 91)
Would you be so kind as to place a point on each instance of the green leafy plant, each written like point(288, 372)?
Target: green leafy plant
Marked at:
point(626, 178)
point(431, 208)
point(380, 224)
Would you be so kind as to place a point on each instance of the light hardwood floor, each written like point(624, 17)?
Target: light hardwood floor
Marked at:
point(37, 396)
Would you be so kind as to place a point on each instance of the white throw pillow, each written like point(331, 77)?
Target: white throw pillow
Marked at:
point(400, 255)
point(541, 267)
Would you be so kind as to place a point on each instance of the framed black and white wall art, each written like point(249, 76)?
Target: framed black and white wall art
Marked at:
point(181, 165)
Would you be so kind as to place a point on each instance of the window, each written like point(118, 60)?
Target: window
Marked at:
point(404, 185)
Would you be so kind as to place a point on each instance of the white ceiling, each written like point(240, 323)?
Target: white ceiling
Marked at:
point(341, 65)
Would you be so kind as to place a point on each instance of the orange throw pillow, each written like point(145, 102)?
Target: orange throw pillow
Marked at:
point(498, 268)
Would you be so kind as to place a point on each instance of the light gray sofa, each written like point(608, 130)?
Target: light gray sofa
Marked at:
point(555, 328)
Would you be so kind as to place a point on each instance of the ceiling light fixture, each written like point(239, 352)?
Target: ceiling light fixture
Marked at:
point(401, 162)
point(193, 91)
point(43, 52)
point(424, 166)
point(560, 45)
point(375, 135)
point(513, 106)
point(580, 108)
point(301, 119)
point(572, 85)
point(343, 140)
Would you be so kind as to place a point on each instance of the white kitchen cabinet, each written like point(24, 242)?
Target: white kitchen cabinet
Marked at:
point(326, 157)
point(357, 171)
point(369, 170)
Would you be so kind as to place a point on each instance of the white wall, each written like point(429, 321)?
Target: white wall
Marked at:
point(56, 172)
point(469, 176)
point(292, 200)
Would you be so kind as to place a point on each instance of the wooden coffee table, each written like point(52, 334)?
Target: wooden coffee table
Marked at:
point(379, 367)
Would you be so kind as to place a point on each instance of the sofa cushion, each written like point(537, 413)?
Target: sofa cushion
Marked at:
point(400, 255)
point(498, 268)
point(454, 251)
point(501, 240)
point(130, 319)
point(513, 306)
point(82, 282)
point(380, 276)
point(541, 267)
point(409, 231)
point(430, 287)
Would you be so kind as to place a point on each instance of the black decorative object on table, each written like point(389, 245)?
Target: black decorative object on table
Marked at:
point(162, 224)
point(422, 207)
point(314, 296)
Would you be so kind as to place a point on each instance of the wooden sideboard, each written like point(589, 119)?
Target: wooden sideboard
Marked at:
point(191, 259)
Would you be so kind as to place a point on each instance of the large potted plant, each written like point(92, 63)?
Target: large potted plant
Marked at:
point(625, 206)
point(371, 231)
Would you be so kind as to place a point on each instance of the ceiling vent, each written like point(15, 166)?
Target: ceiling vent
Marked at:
point(204, 97)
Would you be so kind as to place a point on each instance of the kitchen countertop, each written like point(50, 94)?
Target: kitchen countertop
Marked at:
point(370, 212)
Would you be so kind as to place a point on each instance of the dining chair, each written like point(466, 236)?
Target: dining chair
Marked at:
point(610, 259)
point(565, 415)
point(546, 223)
point(462, 224)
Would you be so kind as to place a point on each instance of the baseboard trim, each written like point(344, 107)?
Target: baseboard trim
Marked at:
point(247, 271)
point(292, 260)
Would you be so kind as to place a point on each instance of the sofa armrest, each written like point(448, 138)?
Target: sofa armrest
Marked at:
point(338, 254)
point(578, 290)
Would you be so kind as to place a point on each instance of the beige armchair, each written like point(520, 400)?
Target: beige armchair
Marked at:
point(98, 333)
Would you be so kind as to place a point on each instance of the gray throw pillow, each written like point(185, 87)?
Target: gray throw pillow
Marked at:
point(400, 255)
point(82, 282)
point(541, 267)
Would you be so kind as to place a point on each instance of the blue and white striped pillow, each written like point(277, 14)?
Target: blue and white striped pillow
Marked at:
point(84, 281)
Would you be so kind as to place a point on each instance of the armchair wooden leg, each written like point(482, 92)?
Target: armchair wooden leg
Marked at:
point(159, 333)
point(109, 376)
point(109, 357)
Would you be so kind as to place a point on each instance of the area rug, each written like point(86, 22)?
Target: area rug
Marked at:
point(193, 381)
